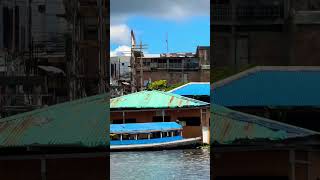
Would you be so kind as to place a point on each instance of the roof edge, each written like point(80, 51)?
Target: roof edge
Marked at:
point(186, 85)
point(263, 68)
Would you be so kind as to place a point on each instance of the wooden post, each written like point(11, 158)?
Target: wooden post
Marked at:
point(162, 115)
point(43, 169)
point(292, 167)
point(120, 137)
point(123, 118)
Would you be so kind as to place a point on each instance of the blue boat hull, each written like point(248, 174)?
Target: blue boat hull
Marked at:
point(156, 144)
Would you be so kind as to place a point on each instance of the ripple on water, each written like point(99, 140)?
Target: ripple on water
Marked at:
point(153, 165)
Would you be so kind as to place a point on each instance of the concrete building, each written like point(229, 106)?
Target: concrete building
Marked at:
point(275, 32)
point(158, 106)
point(175, 67)
point(47, 56)
point(120, 69)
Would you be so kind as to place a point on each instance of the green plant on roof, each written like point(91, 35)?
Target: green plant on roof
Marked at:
point(160, 85)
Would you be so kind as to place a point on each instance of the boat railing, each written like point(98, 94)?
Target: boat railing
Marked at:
point(146, 141)
point(144, 135)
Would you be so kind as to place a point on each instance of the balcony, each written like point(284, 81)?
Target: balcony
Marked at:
point(175, 66)
point(247, 14)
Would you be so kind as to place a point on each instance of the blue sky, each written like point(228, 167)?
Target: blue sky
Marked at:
point(187, 25)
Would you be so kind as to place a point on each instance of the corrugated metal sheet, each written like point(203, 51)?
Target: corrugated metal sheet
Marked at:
point(229, 126)
point(193, 89)
point(153, 99)
point(143, 127)
point(270, 88)
point(81, 123)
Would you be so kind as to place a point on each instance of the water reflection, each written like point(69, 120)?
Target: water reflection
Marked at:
point(172, 164)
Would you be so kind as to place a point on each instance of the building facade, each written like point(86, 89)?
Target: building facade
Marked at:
point(276, 32)
point(174, 67)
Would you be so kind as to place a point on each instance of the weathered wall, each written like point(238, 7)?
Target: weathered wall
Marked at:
point(172, 77)
point(252, 163)
point(307, 45)
point(267, 163)
point(62, 169)
point(268, 48)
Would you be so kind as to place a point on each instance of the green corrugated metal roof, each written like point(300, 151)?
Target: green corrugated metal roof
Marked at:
point(230, 126)
point(153, 99)
point(80, 123)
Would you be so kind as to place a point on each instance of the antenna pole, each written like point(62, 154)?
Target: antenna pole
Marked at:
point(167, 43)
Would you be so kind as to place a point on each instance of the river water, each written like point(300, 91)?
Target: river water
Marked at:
point(193, 164)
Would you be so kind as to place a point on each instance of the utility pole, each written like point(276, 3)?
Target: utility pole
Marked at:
point(30, 36)
point(102, 49)
point(141, 68)
point(14, 28)
point(134, 49)
point(167, 42)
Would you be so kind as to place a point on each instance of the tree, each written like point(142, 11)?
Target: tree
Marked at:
point(160, 85)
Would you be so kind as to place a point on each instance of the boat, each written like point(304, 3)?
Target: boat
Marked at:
point(149, 136)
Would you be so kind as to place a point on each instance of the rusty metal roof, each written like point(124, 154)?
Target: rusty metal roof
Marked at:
point(229, 126)
point(77, 123)
point(154, 99)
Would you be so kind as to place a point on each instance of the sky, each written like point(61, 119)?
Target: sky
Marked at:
point(185, 22)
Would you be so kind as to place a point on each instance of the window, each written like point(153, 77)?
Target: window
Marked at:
point(160, 119)
point(191, 121)
point(114, 136)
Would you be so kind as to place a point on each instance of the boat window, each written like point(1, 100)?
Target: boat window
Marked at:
point(166, 134)
point(155, 135)
point(176, 133)
point(125, 136)
point(131, 136)
point(191, 121)
point(143, 136)
point(114, 136)
point(160, 119)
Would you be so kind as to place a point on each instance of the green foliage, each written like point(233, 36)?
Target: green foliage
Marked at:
point(160, 85)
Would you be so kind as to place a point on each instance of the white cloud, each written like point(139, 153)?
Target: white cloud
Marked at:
point(121, 10)
point(121, 51)
point(120, 34)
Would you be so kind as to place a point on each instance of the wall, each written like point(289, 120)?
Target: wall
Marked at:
point(62, 169)
point(146, 116)
point(253, 163)
point(306, 45)
point(268, 163)
point(172, 77)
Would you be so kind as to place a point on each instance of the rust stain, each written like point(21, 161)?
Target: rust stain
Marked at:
point(18, 131)
point(226, 129)
point(171, 99)
point(3, 126)
point(248, 128)
point(115, 101)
